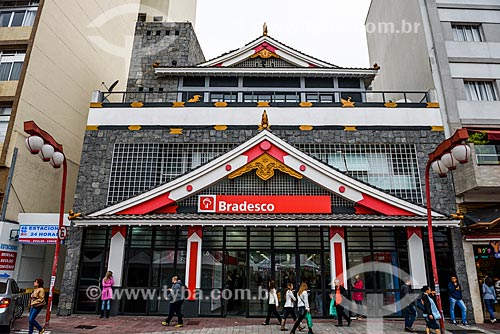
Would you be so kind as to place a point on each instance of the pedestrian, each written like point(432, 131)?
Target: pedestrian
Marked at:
point(339, 293)
point(273, 303)
point(289, 308)
point(490, 298)
point(176, 296)
point(303, 307)
point(409, 312)
point(455, 293)
point(107, 293)
point(357, 295)
point(431, 312)
point(37, 302)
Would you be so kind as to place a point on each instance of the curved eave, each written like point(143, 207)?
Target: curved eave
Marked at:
point(277, 44)
point(248, 221)
point(264, 72)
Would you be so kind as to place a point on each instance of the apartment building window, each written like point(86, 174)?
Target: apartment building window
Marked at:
point(10, 65)
point(467, 33)
point(17, 18)
point(480, 91)
point(4, 121)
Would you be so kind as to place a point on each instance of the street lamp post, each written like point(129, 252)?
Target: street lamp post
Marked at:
point(42, 143)
point(444, 158)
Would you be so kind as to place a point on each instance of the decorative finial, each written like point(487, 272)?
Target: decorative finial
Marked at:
point(264, 124)
point(264, 29)
point(376, 66)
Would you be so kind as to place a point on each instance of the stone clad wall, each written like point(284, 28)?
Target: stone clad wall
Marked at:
point(94, 174)
point(93, 179)
point(167, 44)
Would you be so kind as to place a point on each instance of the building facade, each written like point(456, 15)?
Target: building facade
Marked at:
point(263, 163)
point(453, 47)
point(52, 55)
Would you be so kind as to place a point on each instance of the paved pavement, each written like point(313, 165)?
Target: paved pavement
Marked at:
point(152, 325)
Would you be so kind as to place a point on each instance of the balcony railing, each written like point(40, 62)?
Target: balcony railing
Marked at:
point(319, 98)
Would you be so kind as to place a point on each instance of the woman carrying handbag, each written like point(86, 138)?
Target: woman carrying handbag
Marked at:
point(37, 302)
point(303, 307)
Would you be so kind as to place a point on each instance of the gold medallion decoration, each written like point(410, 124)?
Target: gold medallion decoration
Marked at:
point(264, 53)
point(265, 166)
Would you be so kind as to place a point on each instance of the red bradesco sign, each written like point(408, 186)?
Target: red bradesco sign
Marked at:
point(264, 204)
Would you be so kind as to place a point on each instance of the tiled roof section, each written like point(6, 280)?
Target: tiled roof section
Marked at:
point(208, 218)
point(275, 40)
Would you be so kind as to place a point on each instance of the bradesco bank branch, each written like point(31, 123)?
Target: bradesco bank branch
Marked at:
point(264, 210)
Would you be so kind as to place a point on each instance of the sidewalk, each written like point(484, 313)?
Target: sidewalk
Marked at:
point(152, 324)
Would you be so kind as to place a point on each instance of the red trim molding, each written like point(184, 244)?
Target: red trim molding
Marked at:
point(383, 207)
point(148, 206)
point(337, 230)
point(413, 230)
point(119, 229)
point(193, 269)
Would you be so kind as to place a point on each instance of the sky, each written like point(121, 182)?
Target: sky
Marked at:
point(331, 30)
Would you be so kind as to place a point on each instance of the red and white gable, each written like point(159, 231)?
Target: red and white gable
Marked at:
point(266, 47)
point(160, 199)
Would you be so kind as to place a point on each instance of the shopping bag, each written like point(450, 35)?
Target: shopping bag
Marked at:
point(333, 309)
point(309, 320)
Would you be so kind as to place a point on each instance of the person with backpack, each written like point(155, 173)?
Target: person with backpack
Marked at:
point(490, 298)
point(430, 310)
point(409, 312)
point(272, 304)
point(455, 292)
point(176, 296)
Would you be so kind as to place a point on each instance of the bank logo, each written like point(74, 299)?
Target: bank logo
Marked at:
point(207, 203)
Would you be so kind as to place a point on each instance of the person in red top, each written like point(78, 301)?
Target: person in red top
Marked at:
point(357, 293)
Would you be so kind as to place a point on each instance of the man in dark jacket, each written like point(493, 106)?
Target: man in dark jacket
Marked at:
point(409, 312)
point(455, 292)
point(176, 297)
point(339, 293)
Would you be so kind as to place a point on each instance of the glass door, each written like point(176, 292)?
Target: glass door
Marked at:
point(311, 272)
point(235, 265)
point(285, 271)
point(259, 274)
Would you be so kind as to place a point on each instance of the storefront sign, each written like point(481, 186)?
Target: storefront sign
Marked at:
point(491, 250)
point(8, 249)
point(7, 260)
point(264, 204)
point(38, 234)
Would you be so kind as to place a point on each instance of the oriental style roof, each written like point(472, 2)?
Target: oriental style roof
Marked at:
point(261, 155)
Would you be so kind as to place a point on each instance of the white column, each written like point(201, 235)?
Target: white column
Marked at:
point(193, 259)
point(116, 258)
point(475, 296)
point(416, 257)
point(338, 266)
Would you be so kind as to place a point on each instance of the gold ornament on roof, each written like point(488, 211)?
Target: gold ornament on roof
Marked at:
point(347, 103)
point(264, 29)
point(264, 53)
point(265, 166)
point(264, 123)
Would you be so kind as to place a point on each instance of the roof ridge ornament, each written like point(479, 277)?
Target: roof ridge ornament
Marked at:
point(264, 29)
point(264, 123)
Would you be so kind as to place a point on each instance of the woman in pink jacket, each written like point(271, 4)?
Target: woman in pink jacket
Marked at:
point(107, 293)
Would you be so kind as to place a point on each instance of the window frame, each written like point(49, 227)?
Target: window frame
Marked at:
point(13, 57)
point(456, 26)
point(469, 96)
point(25, 11)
